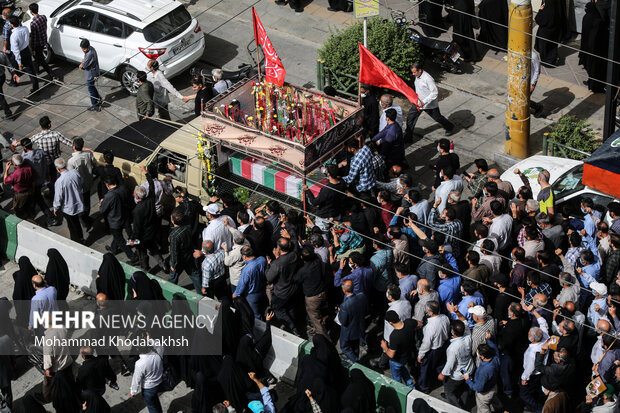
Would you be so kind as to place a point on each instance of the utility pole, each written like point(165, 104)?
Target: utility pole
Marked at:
point(613, 72)
point(519, 59)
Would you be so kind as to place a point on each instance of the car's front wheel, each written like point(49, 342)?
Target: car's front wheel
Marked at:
point(129, 80)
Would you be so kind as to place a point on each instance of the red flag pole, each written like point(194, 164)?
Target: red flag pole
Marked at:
point(256, 41)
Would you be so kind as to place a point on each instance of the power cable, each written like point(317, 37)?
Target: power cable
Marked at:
point(446, 268)
point(520, 31)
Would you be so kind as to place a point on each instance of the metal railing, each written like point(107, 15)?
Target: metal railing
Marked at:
point(553, 148)
point(327, 77)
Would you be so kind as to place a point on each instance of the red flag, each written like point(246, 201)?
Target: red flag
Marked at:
point(274, 70)
point(374, 72)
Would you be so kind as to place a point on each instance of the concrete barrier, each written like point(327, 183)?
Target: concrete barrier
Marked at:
point(8, 234)
point(34, 241)
point(84, 262)
point(439, 405)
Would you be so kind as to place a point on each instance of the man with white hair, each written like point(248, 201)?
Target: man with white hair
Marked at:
point(22, 179)
point(68, 198)
point(530, 379)
point(234, 260)
point(387, 102)
point(221, 85)
point(145, 229)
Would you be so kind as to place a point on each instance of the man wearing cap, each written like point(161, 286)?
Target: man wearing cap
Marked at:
point(483, 324)
point(435, 337)
point(22, 179)
point(217, 231)
point(606, 404)
point(598, 307)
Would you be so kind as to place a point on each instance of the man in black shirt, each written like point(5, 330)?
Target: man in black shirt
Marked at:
point(312, 277)
point(370, 122)
point(201, 95)
point(400, 347)
point(446, 158)
point(114, 208)
point(329, 200)
point(502, 300)
point(94, 372)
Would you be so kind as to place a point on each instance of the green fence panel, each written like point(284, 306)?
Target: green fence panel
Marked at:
point(169, 289)
point(8, 234)
point(387, 391)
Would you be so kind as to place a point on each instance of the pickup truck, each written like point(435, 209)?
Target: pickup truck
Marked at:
point(280, 163)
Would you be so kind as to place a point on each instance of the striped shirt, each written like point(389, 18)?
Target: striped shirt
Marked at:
point(38, 31)
point(49, 141)
point(213, 267)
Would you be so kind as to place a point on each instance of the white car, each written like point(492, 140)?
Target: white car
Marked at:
point(566, 174)
point(125, 34)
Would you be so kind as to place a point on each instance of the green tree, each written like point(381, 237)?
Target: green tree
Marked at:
point(386, 40)
point(575, 133)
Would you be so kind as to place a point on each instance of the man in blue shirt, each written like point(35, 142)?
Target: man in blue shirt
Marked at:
point(471, 297)
point(362, 277)
point(390, 141)
point(44, 300)
point(406, 283)
point(90, 65)
point(449, 287)
point(484, 381)
point(252, 281)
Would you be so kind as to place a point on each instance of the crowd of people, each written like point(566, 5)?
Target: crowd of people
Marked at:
point(493, 292)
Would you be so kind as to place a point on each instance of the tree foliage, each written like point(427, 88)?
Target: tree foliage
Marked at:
point(386, 40)
point(575, 133)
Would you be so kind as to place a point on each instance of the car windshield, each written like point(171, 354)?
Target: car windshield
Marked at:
point(568, 183)
point(64, 6)
point(173, 23)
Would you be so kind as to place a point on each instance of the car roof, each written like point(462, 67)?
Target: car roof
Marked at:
point(534, 164)
point(139, 13)
point(136, 141)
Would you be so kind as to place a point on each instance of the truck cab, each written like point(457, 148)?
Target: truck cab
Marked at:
point(145, 142)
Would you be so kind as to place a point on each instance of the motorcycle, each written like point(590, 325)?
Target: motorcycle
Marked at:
point(10, 4)
point(244, 72)
point(445, 54)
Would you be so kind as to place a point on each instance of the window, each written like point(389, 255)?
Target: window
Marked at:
point(171, 164)
point(109, 26)
point(173, 23)
point(80, 18)
point(569, 183)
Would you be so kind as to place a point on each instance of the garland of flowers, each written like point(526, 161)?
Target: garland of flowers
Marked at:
point(207, 157)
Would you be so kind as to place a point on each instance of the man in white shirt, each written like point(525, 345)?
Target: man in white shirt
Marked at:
point(221, 85)
point(162, 87)
point(427, 94)
point(436, 333)
point(217, 230)
point(501, 225)
point(20, 48)
point(387, 102)
point(535, 107)
point(530, 379)
point(147, 375)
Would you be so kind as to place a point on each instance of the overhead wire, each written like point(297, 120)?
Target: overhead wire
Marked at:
point(445, 268)
point(518, 30)
point(357, 198)
point(112, 104)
